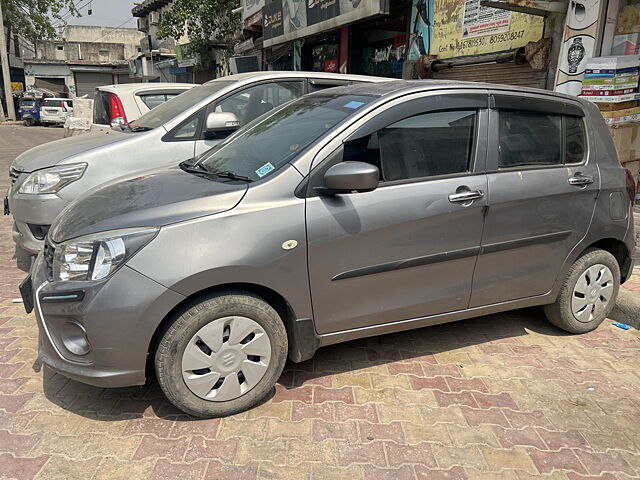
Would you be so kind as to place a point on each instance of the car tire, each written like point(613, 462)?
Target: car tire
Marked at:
point(221, 355)
point(588, 293)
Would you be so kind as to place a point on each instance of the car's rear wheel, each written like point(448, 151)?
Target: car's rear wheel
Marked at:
point(588, 293)
point(222, 355)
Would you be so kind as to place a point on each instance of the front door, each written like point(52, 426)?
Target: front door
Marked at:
point(543, 185)
point(251, 102)
point(408, 248)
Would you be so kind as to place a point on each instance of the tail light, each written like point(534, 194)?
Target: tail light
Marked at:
point(64, 109)
point(631, 186)
point(118, 116)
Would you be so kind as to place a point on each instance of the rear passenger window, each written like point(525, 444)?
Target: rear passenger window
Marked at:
point(529, 139)
point(432, 144)
point(576, 140)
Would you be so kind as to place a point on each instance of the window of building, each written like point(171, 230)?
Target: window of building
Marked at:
point(529, 139)
point(60, 47)
point(427, 145)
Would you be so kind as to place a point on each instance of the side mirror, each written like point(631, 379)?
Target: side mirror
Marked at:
point(347, 177)
point(221, 124)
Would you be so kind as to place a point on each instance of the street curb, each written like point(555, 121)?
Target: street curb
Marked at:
point(11, 123)
point(627, 309)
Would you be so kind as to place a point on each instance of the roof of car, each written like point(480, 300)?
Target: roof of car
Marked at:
point(290, 74)
point(137, 87)
point(408, 86)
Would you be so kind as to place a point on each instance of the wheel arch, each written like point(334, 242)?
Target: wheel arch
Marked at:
point(301, 334)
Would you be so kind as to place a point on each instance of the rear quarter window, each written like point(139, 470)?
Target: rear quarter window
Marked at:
point(101, 108)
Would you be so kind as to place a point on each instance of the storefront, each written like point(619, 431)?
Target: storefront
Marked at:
point(314, 36)
point(378, 46)
point(464, 40)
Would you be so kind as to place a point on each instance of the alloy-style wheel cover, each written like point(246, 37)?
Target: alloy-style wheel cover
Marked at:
point(226, 358)
point(592, 293)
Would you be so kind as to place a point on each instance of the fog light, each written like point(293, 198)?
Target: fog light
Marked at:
point(75, 338)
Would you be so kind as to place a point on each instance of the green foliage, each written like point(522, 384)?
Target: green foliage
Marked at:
point(204, 22)
point(34, 18)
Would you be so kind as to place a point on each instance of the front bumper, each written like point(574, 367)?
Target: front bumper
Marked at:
point(119, 317)
point(35, 210)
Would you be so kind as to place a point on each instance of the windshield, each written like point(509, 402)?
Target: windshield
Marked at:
point(267, 145)
point(27, 103)
point(175, 106)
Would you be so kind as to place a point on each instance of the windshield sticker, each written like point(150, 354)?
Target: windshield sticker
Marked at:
point(353, 104)
point(263, 170)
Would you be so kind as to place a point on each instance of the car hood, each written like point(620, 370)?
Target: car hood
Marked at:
point(156, 198)
point(52, 153)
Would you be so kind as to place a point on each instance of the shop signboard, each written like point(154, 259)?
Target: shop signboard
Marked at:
point(272, 20)
point(287, 20)
point(321, 10)
point(460, 28)
point(385, 58)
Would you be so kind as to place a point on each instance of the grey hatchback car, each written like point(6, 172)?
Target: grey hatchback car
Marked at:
point(350, 212)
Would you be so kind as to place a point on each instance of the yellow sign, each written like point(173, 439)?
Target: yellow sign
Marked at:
point(463, 28)
point(17, 86)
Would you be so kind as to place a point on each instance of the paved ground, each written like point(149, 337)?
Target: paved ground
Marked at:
point(505, 396)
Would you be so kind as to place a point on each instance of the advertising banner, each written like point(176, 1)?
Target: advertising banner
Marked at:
point(272, 20)
point(461, 28)
point(286, 20)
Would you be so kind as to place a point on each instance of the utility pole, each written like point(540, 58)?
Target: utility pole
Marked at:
point(6, 73)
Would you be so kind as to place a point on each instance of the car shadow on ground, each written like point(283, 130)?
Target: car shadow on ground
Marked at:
point(351, 357)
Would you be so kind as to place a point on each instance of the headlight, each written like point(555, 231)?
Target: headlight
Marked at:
point(97, 256)
point(50, 180)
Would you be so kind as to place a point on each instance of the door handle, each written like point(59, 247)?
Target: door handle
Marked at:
point(581, 180)
point(466, 196)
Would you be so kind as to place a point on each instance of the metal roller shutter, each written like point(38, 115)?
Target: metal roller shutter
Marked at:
point(504, 73)
point(54, 85)
point(87, 82)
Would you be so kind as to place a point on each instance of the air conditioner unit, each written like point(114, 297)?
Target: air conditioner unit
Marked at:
point(244, 64)
point(143, 25)
point(154, 18)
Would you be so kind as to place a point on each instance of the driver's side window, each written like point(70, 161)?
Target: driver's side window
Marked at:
point(250, 103)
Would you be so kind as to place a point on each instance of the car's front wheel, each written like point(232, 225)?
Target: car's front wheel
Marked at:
point(588, 293)
point(222, 355)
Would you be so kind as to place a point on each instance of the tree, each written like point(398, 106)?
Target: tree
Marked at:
point(204, 22)
point(34, 19)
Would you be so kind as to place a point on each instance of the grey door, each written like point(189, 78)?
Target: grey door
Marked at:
point(87, 82)
point(407, 249)
point(543, 184)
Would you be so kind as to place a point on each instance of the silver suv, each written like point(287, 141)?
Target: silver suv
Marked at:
point(347, 213)
point(47, 178)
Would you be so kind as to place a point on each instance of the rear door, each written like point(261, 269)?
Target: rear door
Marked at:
point(543, 184)
point(408, 248)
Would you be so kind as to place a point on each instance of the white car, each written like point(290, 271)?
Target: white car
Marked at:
point(55, 111)
point(115, 105)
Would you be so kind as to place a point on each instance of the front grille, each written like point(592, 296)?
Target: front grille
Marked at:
point(48, 252)
point(14, 174)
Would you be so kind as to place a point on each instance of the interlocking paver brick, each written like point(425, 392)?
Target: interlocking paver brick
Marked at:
point(505, 396)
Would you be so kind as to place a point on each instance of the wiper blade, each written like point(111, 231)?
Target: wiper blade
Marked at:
point(189, 167)
point(231, 175)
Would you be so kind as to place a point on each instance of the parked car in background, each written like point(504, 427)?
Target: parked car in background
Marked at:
point(115, 105)
point(29, 110)
point(47, 178)
point(348, 213)
point(54, 111)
